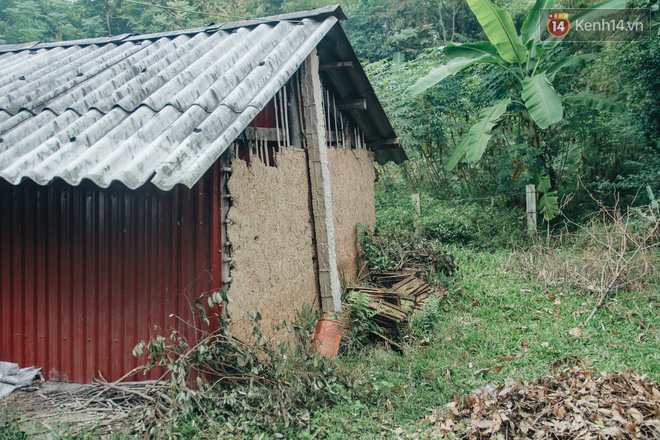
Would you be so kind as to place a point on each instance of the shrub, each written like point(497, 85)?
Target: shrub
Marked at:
point(232, 387)
point(479, 224)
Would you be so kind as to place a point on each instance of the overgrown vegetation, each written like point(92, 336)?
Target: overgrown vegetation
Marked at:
point(507, 314)
point(483, 223)
point(11, 431)
point(499, 320)
point(222, 386)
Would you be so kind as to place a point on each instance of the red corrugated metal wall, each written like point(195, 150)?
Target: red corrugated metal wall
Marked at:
point(86, 273)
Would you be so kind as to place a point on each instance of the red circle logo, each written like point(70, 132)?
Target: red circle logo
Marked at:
point(558, 24)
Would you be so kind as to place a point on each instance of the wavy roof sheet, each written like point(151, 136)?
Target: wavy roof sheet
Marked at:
point(159, 108)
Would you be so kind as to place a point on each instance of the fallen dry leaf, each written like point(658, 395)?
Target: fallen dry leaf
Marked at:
point(398, 390)
point(397, 431)
point(572, 401)
point(496, 369)
point(576, 331)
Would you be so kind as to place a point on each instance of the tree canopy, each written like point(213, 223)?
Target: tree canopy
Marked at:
point(501, 99)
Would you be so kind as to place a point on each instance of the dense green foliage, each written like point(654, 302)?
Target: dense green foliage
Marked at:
point(481, 224)
point(530, 104)
point(401, 42)
point(378, 28)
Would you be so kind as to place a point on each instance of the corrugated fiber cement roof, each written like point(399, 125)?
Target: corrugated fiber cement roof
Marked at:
point(159, 108)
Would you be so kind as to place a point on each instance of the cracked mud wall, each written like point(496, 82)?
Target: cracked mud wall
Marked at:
point(271, 233)
point(352, 176)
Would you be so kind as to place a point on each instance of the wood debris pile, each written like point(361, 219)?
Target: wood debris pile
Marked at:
point(577, 402)
point(397, 295)
point(104, 407)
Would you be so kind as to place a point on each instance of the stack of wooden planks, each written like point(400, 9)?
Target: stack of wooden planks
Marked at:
point(402, 293)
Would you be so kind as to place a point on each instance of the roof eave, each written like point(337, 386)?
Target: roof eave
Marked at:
point(353, 83)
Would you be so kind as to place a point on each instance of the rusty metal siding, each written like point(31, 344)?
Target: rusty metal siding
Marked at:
point(86, 273)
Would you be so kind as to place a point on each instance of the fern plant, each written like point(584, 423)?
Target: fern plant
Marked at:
point(361, 316)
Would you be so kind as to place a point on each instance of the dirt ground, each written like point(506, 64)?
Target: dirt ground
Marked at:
point(50, 409)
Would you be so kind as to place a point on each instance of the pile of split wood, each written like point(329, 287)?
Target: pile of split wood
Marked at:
point(395, 296)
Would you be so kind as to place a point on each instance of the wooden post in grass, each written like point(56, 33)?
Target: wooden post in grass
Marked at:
point(531, 209)
point(416, 203)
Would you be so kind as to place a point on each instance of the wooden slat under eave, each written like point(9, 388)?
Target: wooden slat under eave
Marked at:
point(385, 144)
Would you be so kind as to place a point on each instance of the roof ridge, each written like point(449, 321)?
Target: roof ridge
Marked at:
point(317, 13)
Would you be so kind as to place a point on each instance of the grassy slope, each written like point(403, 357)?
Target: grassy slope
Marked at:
point(493, 311)
point(493, 315)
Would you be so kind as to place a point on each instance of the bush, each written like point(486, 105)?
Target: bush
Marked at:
point(12, 432)
point(407, 252)
point(232, 386)
point(479, 224)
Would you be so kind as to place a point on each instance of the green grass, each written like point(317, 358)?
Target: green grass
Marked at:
point(491, 313)
point(494, 314)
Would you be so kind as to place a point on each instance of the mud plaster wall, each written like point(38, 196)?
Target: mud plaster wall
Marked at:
point(352, 176)
point(270, 230)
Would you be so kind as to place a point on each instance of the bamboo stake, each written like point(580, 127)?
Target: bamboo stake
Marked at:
point(287, 134)
point(263, 151)
point(300, 108)
point(277, 128)
point(327, 118)
point(343, 135)
point(334, 113)
point(280, 97)
point(266, 152)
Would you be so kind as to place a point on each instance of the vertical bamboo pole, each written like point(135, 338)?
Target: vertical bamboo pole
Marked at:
point(343, 135)
point(296, 121)
point(334, 113)
point(277, 122)
point(300, 105)
point(282, 118)
point(287, 134)
point(320, 187)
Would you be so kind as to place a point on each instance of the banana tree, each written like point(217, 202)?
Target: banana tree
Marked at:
point(533, 65)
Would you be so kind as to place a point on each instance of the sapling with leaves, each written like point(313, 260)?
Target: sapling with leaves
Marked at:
point(532, 104)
